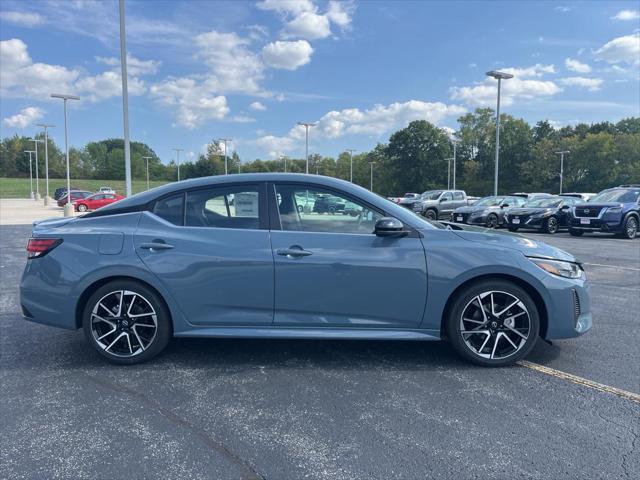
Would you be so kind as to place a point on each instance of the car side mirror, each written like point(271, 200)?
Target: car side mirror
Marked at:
point(389, 227)
point(443, 200)
point(504, 205)
point(565, 207)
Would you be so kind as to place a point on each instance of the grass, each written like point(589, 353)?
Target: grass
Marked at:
point(19, 187)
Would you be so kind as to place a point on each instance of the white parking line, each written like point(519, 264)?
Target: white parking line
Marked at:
point(634, 397)
point(613, 266)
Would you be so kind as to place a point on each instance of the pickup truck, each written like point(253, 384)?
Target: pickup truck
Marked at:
point(439, 204)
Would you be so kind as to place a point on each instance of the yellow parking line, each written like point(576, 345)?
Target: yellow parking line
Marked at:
point(634, 397)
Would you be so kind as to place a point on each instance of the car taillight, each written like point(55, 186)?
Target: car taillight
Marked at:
point(39, 247)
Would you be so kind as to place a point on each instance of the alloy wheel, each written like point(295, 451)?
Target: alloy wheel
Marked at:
point(492, 221)
point(123, 323)
point(552, 225)
point(82, 208)
point(495, 325)
point(632, 227)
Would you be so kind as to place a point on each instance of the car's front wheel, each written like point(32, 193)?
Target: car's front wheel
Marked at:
point(550, 225)
point(126, 322)
point(512, 229)
point(82, 207)
point(493, 323)
point(431, 214)
point(575, 233)
point(630, 228)
point(492, 221)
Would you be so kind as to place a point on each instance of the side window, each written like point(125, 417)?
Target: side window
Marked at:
point(224, 207)
point(446, 197)
point(170, 209)
point(314, 209)
point(458, 196)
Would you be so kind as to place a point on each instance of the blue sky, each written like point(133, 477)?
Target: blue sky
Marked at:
point(251, 70)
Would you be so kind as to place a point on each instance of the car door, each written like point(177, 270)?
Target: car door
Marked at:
point(446, 205)
point(332, 271)
point(564, 209)
point(94, 202)
point(210, 248)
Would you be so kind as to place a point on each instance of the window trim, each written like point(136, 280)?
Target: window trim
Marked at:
point(275, 223)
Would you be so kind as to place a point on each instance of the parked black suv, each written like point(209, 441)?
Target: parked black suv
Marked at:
point(548, 214)
point(328, 204)
point(615, 210)
point(61, 192)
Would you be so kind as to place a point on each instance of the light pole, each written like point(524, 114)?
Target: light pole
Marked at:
point(498, 76)
point(562, 153)
point(30, 172)
point(351, 150)
point(147, 159)
point(454, 164)
point(36, 142)
point(284, 157)
point(371, 176)
point(68, 208)
point(125, 102)
point(225, 140)
point(449, 172)
point(306, 126)
point(178, 150)
point(46, 126)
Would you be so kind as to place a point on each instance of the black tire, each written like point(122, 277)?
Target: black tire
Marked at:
point(506, 290)
point(550, 225)
point(140, 297)
point(630, 228)
point(512, 229)
point(332, 210)
point(431, 214)
point(300, 208)
point(575, 233)
point(82, 207)
point(492, 221)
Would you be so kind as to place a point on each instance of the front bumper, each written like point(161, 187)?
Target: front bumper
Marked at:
point(527, 222)
point(596, 224)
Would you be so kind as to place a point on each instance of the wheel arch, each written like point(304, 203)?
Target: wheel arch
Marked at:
point(526, 286)
point(91, 288)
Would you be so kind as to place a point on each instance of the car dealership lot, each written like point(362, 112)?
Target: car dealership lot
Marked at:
point(325, 409)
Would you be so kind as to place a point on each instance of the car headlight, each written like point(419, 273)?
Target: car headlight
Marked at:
point(559, 267)
point(614, 209)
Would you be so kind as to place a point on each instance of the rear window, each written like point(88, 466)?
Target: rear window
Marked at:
point(170, 209)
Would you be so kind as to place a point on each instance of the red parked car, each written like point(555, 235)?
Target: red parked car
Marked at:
point(93, 202)
point(75, 195)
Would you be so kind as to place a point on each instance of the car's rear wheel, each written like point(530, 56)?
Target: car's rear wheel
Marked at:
point(550, 225)
point(630, 227)
point(126, 322)
point(82, 207)
point(492, 221)
point(575, 233)
point(493, 323)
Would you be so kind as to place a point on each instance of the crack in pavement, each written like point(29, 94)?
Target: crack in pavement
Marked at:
point(248, 472)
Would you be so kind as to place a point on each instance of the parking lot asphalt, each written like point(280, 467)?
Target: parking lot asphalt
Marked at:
point(220, 409)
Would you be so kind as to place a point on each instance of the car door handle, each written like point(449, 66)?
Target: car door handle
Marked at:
point(293, 252)
point(156, 246)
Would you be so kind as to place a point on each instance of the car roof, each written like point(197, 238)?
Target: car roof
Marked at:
point(136, 202)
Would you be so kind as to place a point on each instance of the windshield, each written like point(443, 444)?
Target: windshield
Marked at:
point(431, 194)
point(489, 201)
point(544, 202)
point(618, 195)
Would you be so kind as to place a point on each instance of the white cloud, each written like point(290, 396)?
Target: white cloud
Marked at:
point(234, 68)
point(563, 9)
point(287, 55)
point(308, 25)
point(20, 77)
point(25, 19)
point(626, 15)
point(291, 7)
point(521, 86)
point(576, 65)
point(257, 106)
point(352, 121)
point(25, 118)
point(621, 50)
point(303, 19)
point(135, 66)
point(106, 85)
point(194, 102)
point(275, 146)
point(243, 119)
point(591, 84)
